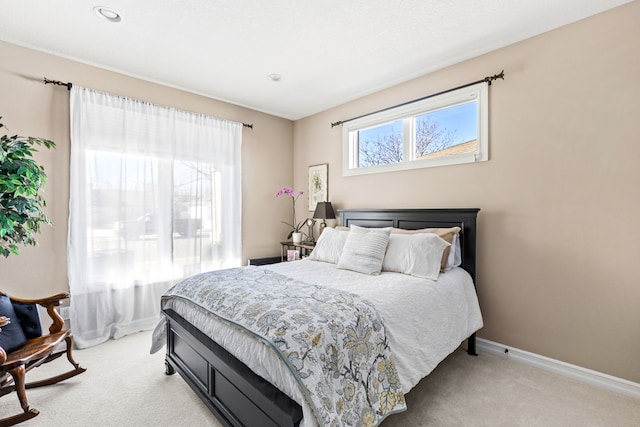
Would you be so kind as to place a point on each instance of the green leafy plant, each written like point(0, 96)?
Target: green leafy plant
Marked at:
point(21, 204)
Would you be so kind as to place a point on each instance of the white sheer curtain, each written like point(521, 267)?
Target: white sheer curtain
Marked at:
point(155, 196)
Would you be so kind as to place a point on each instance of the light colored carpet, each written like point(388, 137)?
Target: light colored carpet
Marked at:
point(126, 386)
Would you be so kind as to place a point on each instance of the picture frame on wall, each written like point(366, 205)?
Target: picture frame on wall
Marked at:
point(318, 185)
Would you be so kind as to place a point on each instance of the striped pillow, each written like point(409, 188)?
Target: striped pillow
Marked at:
point(364, 249)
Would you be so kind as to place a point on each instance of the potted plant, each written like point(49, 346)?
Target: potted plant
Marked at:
point(21, 205)
point(295, 234)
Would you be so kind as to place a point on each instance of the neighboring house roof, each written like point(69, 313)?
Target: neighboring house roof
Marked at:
point(462, 148)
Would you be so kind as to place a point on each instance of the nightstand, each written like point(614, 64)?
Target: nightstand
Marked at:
point(303, 249)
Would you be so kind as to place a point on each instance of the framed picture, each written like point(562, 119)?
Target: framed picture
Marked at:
point(318, 185)
point(293, 255)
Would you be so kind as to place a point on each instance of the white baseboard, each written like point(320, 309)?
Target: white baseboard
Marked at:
point(588, 376)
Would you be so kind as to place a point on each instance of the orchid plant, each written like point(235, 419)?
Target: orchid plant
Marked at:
point(295, 226)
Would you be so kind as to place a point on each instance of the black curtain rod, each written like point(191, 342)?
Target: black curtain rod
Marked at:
point(486, 79)
point(58, 83)
point(69, 85)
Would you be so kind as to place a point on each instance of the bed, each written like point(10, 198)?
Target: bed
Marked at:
point(249, 381)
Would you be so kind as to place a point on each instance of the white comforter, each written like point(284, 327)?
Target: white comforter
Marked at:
point(425, 321)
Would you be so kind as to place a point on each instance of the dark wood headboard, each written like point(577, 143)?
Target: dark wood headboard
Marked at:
point(413, 219)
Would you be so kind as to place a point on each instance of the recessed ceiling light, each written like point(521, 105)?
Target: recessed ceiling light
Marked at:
point(107, 13)
point(274, 77)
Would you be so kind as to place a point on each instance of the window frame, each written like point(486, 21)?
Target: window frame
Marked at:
point(407, 113)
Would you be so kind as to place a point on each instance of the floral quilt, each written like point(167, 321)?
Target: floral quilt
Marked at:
point(333, 341)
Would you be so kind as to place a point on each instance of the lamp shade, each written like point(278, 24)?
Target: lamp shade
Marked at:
point(324, 210)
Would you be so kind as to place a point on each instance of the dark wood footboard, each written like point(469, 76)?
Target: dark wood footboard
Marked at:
point(233, 392)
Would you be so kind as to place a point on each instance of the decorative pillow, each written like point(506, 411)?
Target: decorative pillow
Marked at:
point(329, 246)
point(450, 235)
point(12, 335)
point(27, 314)
point(455, 253)
point(364, 249)
point(419, 254)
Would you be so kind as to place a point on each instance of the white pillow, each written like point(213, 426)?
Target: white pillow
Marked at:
point(451, 257)
point(329, 245)
point(455, 254)
point(364, 249)
point(419, 255)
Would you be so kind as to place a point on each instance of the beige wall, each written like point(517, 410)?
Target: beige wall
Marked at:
point(558, 231)
point(28, 107)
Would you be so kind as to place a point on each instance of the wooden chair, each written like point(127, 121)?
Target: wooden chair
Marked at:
point(19, 358)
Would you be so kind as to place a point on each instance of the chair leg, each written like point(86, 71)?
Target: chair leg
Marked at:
point(69, 340)
point(66, 375)
point(18, 375)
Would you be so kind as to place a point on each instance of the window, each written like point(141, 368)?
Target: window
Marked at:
point(155, 196)
point(164, 214)
point(445, 129)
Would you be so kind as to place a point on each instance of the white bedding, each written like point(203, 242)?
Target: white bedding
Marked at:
point(425, 321)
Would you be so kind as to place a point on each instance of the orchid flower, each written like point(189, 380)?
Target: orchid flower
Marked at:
point(288, 191)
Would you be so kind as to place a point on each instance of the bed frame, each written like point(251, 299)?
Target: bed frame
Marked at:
point(232, 391)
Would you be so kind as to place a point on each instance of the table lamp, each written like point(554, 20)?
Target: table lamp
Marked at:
point(310, 223)
point(324, 210)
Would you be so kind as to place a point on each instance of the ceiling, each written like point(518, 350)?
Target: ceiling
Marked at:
point(327, 52)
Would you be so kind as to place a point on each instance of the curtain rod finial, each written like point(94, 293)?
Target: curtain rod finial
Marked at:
point(494, 77)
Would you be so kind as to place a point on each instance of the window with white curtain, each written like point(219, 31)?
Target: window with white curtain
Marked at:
point(155, 197)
